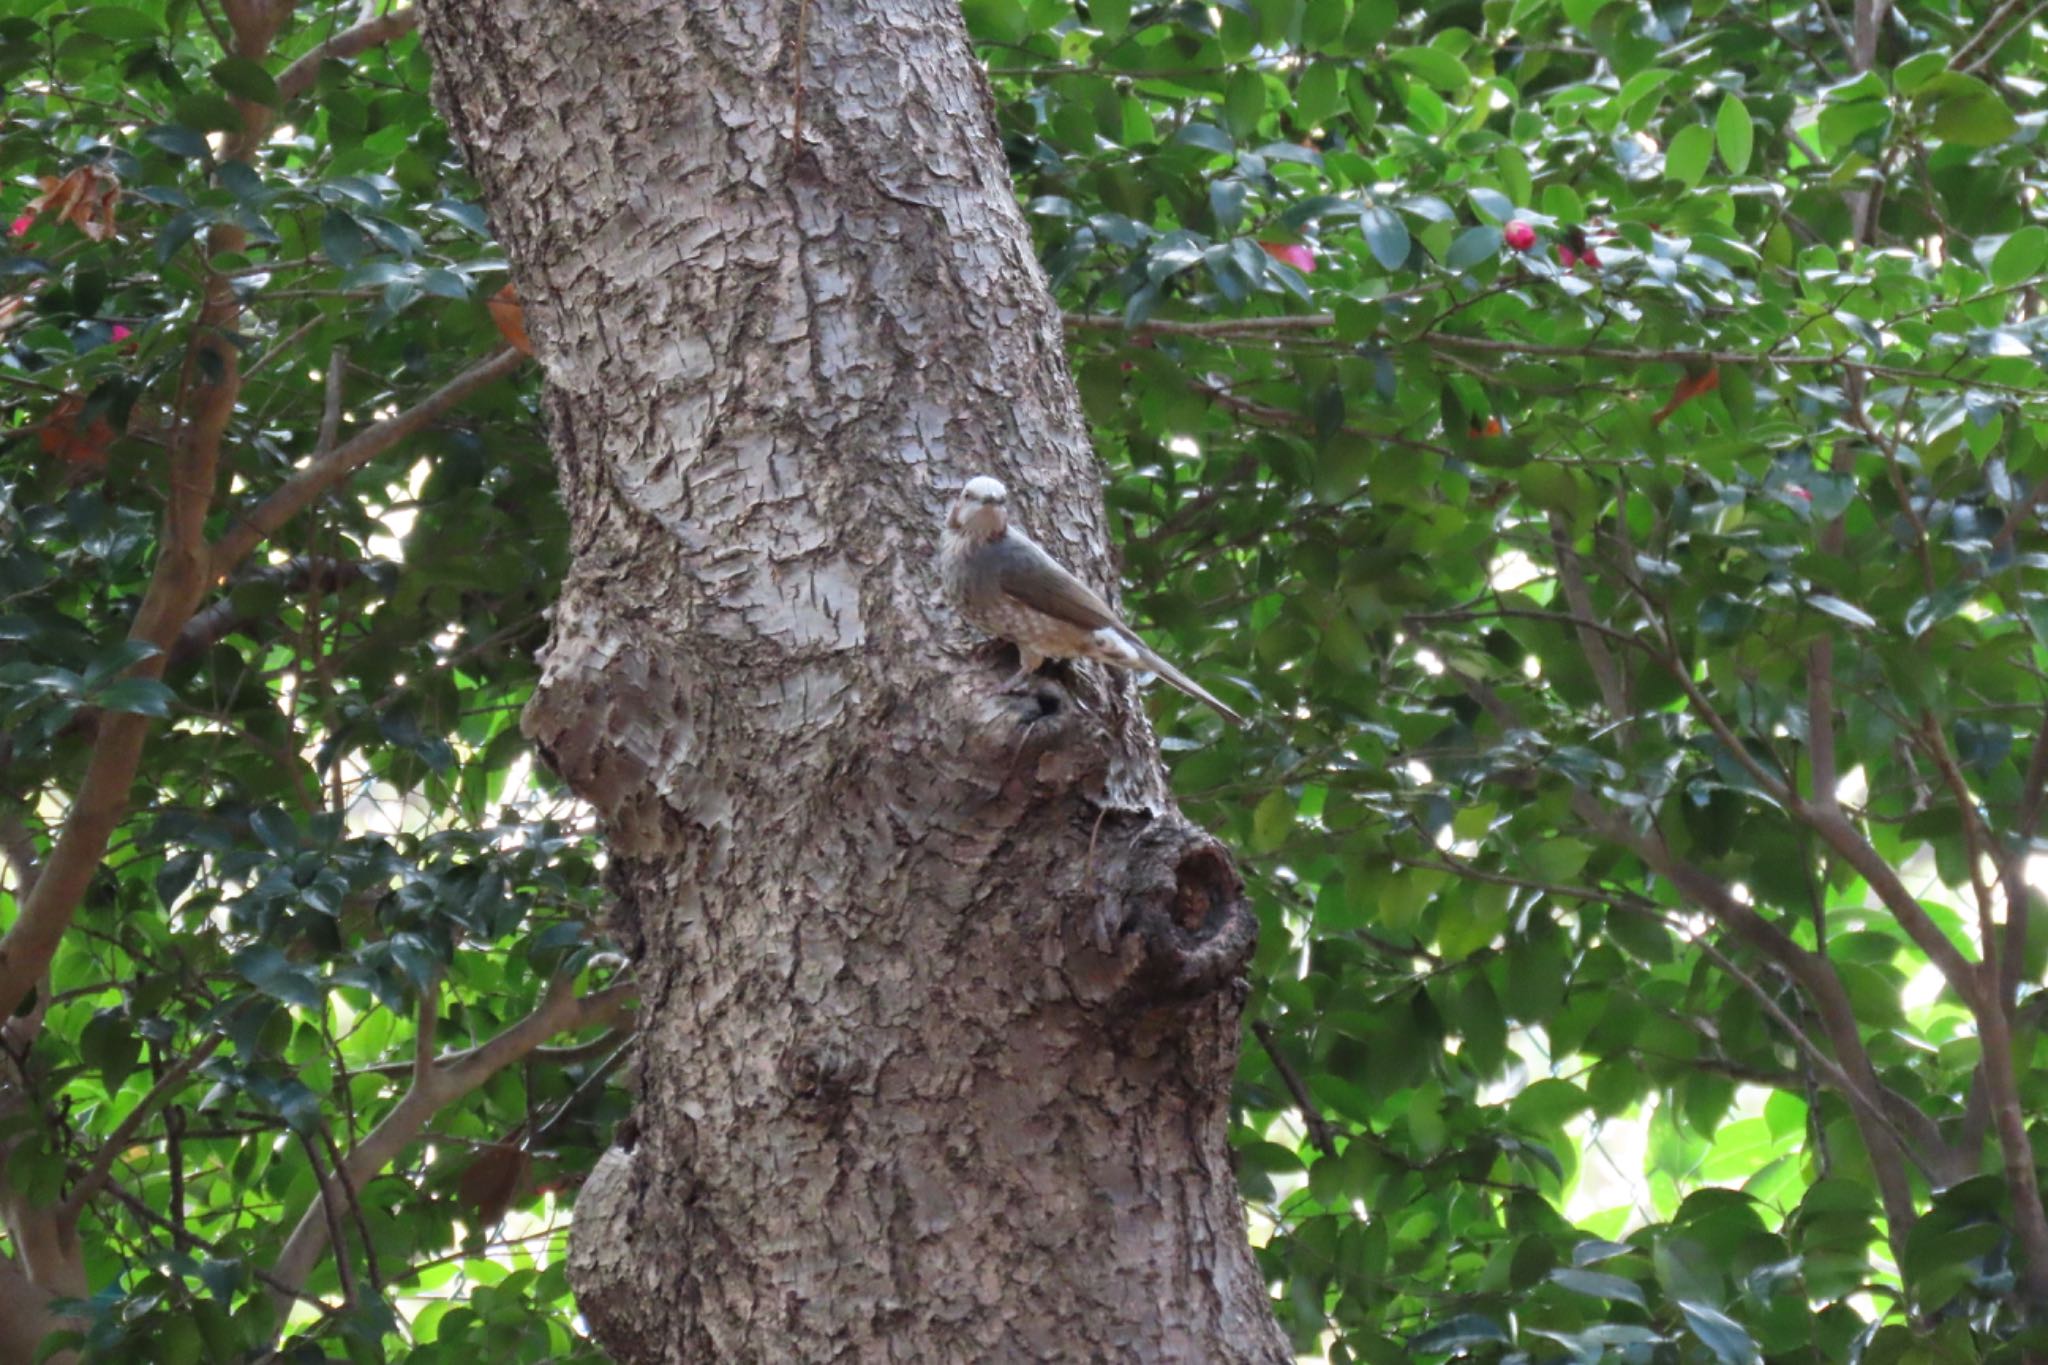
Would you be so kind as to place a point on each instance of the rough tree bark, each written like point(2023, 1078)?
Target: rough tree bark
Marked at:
point(940, 990)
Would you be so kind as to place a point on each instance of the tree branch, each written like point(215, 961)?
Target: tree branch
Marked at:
point(301, 573)
point(25, 1317)
point(451, 1078)
point(208, 385)
point(423, 1032)
point(1569, 573)
point(1311, 1114)
point(298, 78)
point(325, 471)
point(18, 851)
point(118, 1141)
point(325, 1202)
point(1985, 42)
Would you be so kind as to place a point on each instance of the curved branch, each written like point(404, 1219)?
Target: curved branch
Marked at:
point(450, 1078)
point(298, 78)
point(118, 1141)
point(256, 524)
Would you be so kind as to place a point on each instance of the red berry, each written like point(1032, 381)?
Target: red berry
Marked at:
point(1519, 235)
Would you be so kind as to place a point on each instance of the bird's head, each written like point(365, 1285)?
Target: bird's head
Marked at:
point(981, 510)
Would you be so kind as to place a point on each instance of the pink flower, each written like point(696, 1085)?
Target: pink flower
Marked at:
point(1297, 254)
point(1519, 235)
point(1566, 257)
point(20, 226)
point(121, 333)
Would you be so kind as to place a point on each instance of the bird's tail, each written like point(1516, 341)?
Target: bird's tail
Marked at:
point(1155, 664)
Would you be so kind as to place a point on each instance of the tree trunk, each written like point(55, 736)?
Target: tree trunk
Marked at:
point(940, 991)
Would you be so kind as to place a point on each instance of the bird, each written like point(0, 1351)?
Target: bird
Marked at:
point(1000, 581)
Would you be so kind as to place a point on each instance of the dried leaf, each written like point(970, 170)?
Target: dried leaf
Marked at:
point(510, 318)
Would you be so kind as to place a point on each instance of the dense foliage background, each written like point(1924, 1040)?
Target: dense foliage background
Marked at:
point(1603, 441)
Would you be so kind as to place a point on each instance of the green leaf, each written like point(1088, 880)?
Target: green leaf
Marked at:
point(1435, 66)
point(177, 140)
point(1733, 133)
point(1599, 1285)
point(1685, 160)
point(1457, 1334)
point(269, 971)
point(277, 830)
point(1272, 822)
point(119, 22)
point(342, 238)
point(138, 696)
point(1472, 246)
point(1968, 112)
point(110, 1046)
point(1244, 102)
point(1386, 235)
point(1720, 1334)
point(2021, 256)
point(1842, 611)
point(246, 79)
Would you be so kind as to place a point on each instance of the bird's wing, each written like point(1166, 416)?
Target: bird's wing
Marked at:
point(1032, 577)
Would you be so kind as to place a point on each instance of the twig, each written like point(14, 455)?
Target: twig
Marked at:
point(260, 521)
point(330, 412)
point(326, 1205)
point(452, 1077)
point(355, 1204)
point(118, 1141)
point(423, 1033)
point(1985, 42)
point(298, 78)
point(1319, 1130)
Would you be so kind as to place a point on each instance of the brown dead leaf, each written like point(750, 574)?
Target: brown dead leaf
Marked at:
point(86, 198)
point(510, 318)
point(70, 437)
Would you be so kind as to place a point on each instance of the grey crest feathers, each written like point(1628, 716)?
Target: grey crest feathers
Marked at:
point(1002, 582)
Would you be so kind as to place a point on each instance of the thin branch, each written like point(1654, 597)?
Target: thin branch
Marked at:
point(423, 1032)
point(326, 1204)
point(330, 410)
point(2033, 791)
point(1319, 1130)
point(1833, 826)
point(355, 1205)
point(452, 1077)
point(298, 78)
point(186, 1240)
point(118, 1141)
point(1573, 578)
point(18, 851)
point(1226, 327)
point(216, 621)
point(1985, 42)
point(1285, 417)
point(261, 521)
point(1977, 843)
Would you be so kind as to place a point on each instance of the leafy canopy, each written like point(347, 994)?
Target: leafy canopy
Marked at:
point(1605, 438)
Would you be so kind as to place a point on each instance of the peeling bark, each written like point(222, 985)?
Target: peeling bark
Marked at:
point(940, 991)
